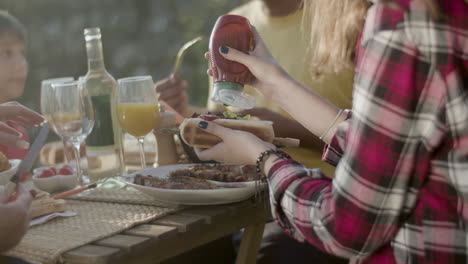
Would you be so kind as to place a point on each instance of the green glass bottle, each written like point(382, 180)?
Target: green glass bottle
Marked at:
point(104, 144)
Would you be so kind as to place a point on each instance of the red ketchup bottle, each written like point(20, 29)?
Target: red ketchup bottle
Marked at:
point(229, 77)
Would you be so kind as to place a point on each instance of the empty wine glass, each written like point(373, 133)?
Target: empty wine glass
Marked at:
point(73, 116)
point(137, 108)
point(46, 93)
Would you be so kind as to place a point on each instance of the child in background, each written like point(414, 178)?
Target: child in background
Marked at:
point(14, 220)
point(13, 72)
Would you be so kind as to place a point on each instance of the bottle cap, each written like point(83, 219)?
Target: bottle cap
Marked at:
point(92, 33)
point(229, 93)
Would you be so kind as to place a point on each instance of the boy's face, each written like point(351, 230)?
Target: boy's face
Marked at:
point(13, 68)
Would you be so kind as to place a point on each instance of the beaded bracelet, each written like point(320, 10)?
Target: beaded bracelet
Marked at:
point(264, 155)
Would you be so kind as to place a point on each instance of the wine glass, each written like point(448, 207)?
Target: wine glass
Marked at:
point(137, 108)
point(46, 93)
point(73, 116)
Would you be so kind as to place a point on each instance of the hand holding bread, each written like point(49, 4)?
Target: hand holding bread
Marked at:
point(194, 136)
point(235, 146)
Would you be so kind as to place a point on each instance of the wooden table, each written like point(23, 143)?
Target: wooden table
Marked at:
point(177, 233)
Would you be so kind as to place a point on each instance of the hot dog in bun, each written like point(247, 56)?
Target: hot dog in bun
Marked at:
point(192, 135)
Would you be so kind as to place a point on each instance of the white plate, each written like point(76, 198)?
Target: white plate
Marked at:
point(191, 197)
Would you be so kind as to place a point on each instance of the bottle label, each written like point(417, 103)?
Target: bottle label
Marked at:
point(102, 134)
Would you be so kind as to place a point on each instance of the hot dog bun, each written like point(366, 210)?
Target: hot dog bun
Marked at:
point(196, 137)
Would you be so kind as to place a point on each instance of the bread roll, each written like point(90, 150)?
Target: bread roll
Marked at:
point(196, 137)
point(43, 204)
point(4, 163)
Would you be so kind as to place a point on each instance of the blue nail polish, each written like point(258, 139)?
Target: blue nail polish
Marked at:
point(224, 49)
point(203, 124)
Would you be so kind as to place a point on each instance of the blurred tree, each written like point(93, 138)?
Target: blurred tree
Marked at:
point(139, 38)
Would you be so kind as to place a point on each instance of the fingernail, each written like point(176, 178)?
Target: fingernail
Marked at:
point(224, 49)
point(22, 144)
point(203, 124)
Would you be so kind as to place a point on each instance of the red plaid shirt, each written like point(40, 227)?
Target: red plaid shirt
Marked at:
point(400, 191)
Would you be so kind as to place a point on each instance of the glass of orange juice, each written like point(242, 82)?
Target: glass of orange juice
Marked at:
point(137, 108)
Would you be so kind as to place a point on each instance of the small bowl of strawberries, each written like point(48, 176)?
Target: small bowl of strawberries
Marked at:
point(55, 178)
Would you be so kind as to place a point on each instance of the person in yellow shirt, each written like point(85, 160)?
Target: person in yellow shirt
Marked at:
point(279, 24)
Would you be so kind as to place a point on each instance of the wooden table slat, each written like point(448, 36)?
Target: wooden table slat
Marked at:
point(209, 213)
point(182, 222)
point(225, 224)
point(124, 242)
point(213, 222)
point(91, 254)
point(153, 231)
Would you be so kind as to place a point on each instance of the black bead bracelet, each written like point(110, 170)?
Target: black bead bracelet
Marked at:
point(264, 155)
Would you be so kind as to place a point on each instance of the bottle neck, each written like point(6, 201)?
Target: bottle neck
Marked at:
point(95, 56)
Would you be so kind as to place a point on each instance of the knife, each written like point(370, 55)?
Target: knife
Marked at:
point(28, 161)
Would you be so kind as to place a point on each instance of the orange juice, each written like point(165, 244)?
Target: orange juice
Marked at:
point(64, 118)
point(138, 119)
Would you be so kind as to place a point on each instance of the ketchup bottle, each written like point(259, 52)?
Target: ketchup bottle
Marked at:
point(229, 77)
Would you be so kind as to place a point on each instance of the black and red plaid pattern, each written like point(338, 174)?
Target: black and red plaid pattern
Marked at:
point(400, 192)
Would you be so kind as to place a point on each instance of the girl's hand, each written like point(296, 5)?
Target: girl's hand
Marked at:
point(19, 113)
point(172, 90)
point(268, 73)
point(11, 137)
point(238, 147)
point(22, 198)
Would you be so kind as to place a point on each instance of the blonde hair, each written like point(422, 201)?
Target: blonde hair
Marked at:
point(336, 26)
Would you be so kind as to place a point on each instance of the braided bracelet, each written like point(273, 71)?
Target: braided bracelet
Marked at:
point(264, 155)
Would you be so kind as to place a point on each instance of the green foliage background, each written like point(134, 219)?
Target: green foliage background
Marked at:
point(140, 37)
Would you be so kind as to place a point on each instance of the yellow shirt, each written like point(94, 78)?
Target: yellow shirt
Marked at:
point(288, 45)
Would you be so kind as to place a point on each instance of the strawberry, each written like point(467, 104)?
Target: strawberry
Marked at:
point(46, 173)
point(66, 170)
point(54, 170)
